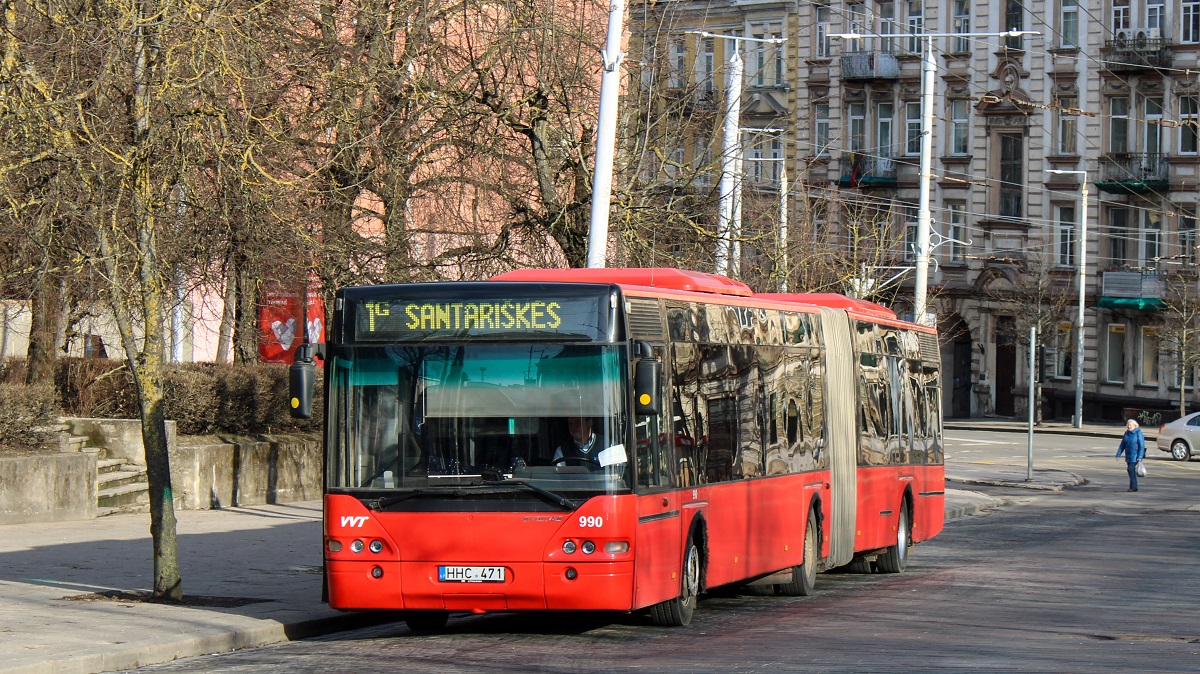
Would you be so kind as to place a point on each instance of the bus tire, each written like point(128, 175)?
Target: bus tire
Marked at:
point(677, 612)
point(895, 558)
point(804, 576)
point(426, 621)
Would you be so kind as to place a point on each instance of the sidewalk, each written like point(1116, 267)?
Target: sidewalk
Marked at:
point(252, 576)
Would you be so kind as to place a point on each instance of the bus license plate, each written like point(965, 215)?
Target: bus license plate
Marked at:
point(471, 574)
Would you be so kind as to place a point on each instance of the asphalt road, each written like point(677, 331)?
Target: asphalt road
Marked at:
point(1092, 578)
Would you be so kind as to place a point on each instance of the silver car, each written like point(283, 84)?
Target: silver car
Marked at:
point(1181, 437)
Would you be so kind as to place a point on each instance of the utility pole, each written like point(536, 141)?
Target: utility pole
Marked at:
point(924, 212)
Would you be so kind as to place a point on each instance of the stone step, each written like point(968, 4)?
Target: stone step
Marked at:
point(120, 478)
point(122, 510)
point(135, 494)
point(108, 465)
point(76, 443)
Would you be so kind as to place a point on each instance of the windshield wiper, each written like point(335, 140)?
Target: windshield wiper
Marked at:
point(382, 503)
point(557, 499)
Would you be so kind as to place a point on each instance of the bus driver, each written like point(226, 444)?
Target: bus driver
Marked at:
point(583, 445)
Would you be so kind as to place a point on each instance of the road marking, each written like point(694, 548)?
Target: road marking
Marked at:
point(979, 442)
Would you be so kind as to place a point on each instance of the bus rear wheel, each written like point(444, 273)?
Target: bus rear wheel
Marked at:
point(804, 576)
point(426, 621)
point(895, 558)
point(678, 611)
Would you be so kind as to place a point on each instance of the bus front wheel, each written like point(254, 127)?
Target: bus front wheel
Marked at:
point(804, 576)
point(678, 611)
point(895, 558)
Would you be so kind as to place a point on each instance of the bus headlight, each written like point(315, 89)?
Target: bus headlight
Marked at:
point(356, 546)
point(616, 547)
point(588, 547)
point(334, 546)
point(377, 546)
point(569, 547)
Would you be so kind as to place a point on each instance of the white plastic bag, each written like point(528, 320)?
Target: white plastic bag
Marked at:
point(1141, 469)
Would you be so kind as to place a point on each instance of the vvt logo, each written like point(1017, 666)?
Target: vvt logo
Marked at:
point(354, 521)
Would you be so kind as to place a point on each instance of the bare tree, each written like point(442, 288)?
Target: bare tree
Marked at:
point(1179, 331)
point(1040, 297)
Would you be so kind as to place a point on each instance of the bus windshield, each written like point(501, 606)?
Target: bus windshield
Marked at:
point(481, 419)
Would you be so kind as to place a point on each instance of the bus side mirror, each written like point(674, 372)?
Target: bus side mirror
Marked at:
point(646, 375)
point(302, 375)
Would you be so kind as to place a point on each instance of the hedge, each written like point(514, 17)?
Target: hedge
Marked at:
point(203, 398)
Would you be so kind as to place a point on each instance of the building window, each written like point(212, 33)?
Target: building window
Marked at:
point(885, 14)
point(702, 162)
point(776, 159)
point(1155, 12)
point(883, 128)
point(1189, 113)
point(1120, 15)
point(821, 130)
point(960, 125)
point(1190, 20)
point(916, 25)
point(768, 58)
point(1148, 372)
point(822, 32)
point(958, 231)
point(912, 128)
point(911, 216)
point(1118, 124)
point(1012, 175)
point(1187, 233)
point(1068, 23)
point(858, 127)
point(1014, 19)
point(1118, 236)
point(756, 168)
point(1067, 125)
point(1064, 362)
point(1151, 237)
point(1114, 361)
point(962, 24)
point(676, 64)
point(1154, 113)
point(706, 64)
point(1064, 240)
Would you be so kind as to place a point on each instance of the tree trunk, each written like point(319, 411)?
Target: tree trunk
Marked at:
point(45, 313)
point(149, 366)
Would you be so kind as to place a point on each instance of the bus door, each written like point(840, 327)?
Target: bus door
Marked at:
point(658, 540)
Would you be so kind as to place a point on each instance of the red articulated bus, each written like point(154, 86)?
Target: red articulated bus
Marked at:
point(617, 440)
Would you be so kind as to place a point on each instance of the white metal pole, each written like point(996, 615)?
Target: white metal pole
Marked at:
point(606, 137)
point(730, 154)
point(783, 226)
point(1032, 393)
point(921, 284)
point(1083, 227)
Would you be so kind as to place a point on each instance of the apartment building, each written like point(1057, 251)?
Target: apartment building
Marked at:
point(1105, 97)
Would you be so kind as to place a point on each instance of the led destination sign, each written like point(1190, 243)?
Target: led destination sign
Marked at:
point(404, 319)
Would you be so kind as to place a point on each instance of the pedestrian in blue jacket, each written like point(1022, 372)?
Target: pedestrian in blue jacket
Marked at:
point(1133, 446)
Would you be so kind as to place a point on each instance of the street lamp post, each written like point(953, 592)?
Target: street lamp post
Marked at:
point(924, 212)
point(1082, 248)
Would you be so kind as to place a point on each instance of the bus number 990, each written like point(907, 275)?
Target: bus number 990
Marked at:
point(591, 522)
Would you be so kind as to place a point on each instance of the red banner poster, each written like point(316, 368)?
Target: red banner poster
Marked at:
point(282, 320)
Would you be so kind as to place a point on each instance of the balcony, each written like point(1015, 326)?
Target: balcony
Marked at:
point(1131, 290)
point(863, 171)
point(1133, 172)
point(1136, 50)
point(870, 65)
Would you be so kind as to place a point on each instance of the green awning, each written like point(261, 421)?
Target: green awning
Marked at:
point(1142, 303)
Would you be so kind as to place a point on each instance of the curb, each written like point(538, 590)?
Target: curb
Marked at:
point(1075, 481)
point(157, 654)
